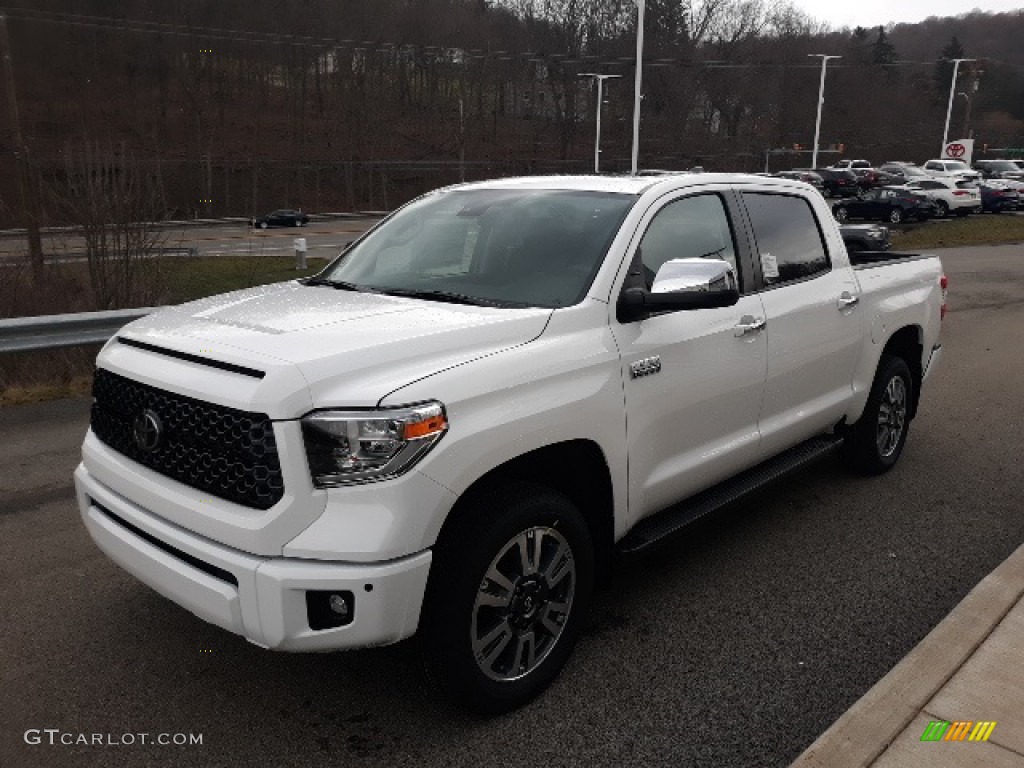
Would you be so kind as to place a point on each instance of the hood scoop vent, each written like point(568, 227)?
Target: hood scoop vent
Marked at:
point(198, 359)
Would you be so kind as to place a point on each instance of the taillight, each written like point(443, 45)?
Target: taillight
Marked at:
point(943, 284)
point(960, 193)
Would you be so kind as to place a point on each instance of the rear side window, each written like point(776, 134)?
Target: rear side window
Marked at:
point(788, 237)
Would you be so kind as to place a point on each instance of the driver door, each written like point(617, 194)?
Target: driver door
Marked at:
point(693, 379)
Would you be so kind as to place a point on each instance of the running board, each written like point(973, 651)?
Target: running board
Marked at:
point(655, 528)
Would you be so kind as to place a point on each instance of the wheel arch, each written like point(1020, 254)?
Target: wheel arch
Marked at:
point(576, 468)
point(906, 343)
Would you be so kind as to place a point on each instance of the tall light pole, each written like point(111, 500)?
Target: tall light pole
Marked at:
point(949, 109)
point(600, 100)
point(638, 80)
point(821, 100)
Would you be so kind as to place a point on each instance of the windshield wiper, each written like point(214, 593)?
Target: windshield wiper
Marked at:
point(341, 285)
point(448, 296)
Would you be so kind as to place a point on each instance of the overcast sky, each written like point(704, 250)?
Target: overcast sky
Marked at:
point(871, 13)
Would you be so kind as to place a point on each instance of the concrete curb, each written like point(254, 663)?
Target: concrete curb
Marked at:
point(866, 730)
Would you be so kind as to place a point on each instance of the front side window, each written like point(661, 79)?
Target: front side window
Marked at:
point(691, 228)
point(496, 247)
point(788, 237)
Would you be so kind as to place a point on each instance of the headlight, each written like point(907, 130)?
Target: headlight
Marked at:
point(350, 447)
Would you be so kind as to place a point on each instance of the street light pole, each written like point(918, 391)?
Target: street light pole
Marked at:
point(600, 100)
point(638, 80)
point(821, 100)
point(949, 108)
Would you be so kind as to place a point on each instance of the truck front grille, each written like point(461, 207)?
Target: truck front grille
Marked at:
point(222, 451)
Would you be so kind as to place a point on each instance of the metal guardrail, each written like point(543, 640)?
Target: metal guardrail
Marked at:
point(26, 334)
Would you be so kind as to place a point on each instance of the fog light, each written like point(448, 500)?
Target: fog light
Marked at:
point(338, 604)
point(329, 608)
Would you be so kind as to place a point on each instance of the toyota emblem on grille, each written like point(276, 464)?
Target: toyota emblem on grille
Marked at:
point(147, 431)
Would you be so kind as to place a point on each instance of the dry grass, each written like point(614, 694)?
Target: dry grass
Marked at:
point(986, 229)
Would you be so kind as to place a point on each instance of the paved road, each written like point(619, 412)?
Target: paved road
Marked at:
point(735, 646)
point(324, 239)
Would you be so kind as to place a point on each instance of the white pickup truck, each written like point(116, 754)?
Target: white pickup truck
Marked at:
point(455, 426)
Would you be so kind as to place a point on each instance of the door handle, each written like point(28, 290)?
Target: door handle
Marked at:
point(847, 300)
point(749, 325)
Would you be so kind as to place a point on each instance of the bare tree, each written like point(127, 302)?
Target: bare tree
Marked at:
point(105, 192)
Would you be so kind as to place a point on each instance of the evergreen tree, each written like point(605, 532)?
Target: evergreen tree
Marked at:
point(944, 66)
point(883, 54)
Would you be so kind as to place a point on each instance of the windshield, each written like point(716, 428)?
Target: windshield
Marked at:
point(496, 247)
point(1001, 165)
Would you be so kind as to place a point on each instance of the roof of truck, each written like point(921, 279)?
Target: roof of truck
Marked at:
point(631, 185)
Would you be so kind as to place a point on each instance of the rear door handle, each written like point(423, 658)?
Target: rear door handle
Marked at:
point(847, 300)
point(749, 324)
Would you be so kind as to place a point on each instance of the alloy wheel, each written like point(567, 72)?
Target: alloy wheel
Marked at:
point(892, 416)
point(523, 603)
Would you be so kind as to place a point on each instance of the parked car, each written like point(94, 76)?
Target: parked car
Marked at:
point(945, 169)
point(284, 217)
point(903, 171)
point(454, 427)
point(865, 237)
point(808, 177)
point(837, 183)
point(849, 165)
point(951, 195)
point(874, 177)
point(999, 169)
point(997, 196)
point(1015, 185)
point(892, 204)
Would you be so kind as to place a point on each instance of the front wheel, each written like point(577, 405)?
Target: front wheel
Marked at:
point(943, 208)
point(508, 595)
point(895, 216)
point(875, 442)
point(841, 213)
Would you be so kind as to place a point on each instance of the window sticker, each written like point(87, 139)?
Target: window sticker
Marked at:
point(770, 266)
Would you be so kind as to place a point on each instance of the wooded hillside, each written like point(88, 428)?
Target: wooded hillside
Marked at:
point(234, 108)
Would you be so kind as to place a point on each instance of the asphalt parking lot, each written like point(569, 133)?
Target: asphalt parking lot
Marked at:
point(734, 645)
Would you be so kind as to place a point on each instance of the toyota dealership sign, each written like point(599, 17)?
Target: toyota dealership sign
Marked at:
point(959, 149)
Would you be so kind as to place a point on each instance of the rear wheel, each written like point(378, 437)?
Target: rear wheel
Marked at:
point(841, 213)
point(895, 216)
point(943, 207)
point(509, 591)
point(875, 442)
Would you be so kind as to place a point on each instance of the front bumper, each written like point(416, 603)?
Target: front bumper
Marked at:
point(261, 598)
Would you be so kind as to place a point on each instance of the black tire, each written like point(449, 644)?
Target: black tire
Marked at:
point(896, 216)
point(873, 445)
point(841, 213)
point(524, 617)
point(943, 209)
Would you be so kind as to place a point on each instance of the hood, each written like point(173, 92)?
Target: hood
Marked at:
point(351, 348)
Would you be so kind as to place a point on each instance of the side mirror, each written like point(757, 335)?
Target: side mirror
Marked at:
point(682, 284)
